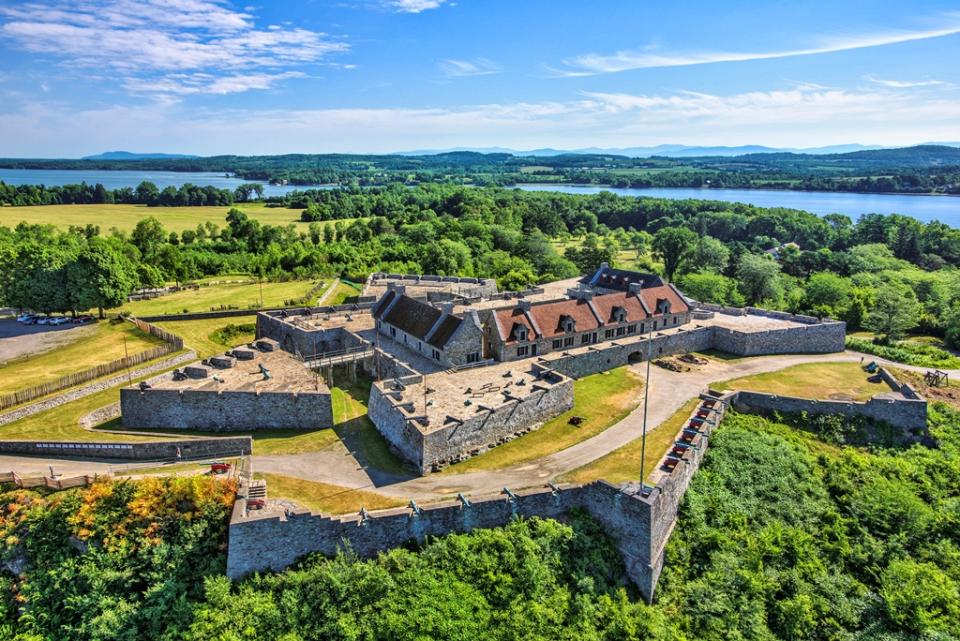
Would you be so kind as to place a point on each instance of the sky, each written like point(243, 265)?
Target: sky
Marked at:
point(213, 77)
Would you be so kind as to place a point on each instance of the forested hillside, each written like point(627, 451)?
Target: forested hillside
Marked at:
point(922, 169)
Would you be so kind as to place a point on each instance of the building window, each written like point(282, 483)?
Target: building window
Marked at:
point(608, 333)
point(473, 357)
point(436, 355)
point(557, 343)
point(523, 350)
point(674, 320)
point(378, 324)
point(621, 331)
point(585, 339)
point(419, 346)
point(567, 342)
point(522, 335)
point(393, 332)
point(654, 325)
point(643, 327)
point(631, 329)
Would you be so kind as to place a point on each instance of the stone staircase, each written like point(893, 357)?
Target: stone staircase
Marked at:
point(257, 489)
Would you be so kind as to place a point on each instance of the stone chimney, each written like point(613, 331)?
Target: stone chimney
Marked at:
point(580, 293)
point(400, 290)
point(446, 307)
point(524, 305)
point(634, 288)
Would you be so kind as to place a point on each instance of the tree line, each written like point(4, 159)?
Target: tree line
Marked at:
point(146, 193)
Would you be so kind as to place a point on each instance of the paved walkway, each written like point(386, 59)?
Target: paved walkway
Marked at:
point(338, 464)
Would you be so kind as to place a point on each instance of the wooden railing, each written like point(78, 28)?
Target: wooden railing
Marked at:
point(46, 481)
point(172, 343)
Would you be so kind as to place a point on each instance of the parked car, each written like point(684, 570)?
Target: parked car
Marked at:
point(25, 318)
point(42, 320)
point(59, 320)
point(81, 320)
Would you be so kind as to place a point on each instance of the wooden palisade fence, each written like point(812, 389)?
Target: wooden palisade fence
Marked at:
point(46, 481)
point(172, 342)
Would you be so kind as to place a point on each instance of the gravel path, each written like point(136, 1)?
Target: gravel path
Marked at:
point(326, 294)
point(93, 388)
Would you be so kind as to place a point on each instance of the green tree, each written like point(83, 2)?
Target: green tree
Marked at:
point(100, 277)
point(707, 255)
point(895, 311)
point(759, 279)
point(672, 245)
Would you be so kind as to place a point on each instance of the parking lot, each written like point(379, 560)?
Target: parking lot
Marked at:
point(17, 340)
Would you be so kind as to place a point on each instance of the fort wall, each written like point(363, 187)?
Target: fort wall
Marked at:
point(143, 451)
point(225, 411)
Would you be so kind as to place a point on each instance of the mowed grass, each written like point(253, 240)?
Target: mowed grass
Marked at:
point(322, 497)
point(838, 381)
point(345, 292)
point(125, 217)
point(236, 295)
point(601, 399)
point(93, 345)
point(623, 464)
point(198, 334)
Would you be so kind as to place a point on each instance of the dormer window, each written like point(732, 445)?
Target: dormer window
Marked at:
point(618, 315)
point(663, 306)
point(522, 335)
point(519, 332)
point(567, 324)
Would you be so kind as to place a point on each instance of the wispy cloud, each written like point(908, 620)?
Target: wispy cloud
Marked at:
point(414, 6)
point(651, 57)
point(475, 67)
point(904, 84)
point(799, 116)
point(177, 46)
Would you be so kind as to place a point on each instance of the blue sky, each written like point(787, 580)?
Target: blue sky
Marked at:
point(213, 76)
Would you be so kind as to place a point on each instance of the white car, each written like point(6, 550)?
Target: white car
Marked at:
point(43, 320)
point(24, 318)
point(59, 320)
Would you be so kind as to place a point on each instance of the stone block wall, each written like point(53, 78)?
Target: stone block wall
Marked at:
point(143, 451)
point(907, 414)
point(431, 447)
point(819, 338)
point(300, 340)
point(224, 411)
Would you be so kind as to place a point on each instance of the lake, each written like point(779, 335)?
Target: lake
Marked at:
point(922, 207)
point(925, 208)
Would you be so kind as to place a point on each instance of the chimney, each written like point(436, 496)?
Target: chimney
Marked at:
point(580, 293)
point(634, 288)
point(400, 290)
point(446, 307)
point(523, 305)
point(604, 265)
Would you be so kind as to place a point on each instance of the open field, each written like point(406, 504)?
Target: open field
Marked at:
point(89, 346)
point(198, 334)
point(601, 399)
point(837, 381)
point(239, 295)
point(125, 217)
point(346, 292)
point(623, 464)
point(321, 497)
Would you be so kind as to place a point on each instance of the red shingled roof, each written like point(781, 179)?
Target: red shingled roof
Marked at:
point(548, 316)
point(652, 294)
point(508, 317)
point(629, 302)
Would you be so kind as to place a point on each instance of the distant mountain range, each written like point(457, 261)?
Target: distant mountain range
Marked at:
point(129, 155)
point(669, 151)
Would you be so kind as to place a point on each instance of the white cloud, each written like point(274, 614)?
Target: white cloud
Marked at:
point(156, 42)
point(414, 6)
point(475, 67)
point(904, 84)
point(593, 63)
point(794, 117)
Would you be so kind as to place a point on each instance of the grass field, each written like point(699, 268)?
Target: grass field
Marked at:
point(346, 292)
point(239, 295)
point(197, 334)
point(623, 464)
point(125, 217)
point(838, 381)
point(100, 343)
point(601, 399)
point(321, 497)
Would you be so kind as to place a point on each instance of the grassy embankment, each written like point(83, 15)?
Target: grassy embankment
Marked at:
point(88, 347)
point(837, 381)
point(205, 336)
point(125, 217)
point(921, 351)
point(322, 497)
point(345, 292)
point(236, 295)
point(601, 399)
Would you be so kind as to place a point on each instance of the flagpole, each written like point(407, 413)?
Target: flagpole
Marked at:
point(646, 403)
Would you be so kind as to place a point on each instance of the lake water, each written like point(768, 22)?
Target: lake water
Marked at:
point(922, 207)
point(118, 179)
point(946, 209)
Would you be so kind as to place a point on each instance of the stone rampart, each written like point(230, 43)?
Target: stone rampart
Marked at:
point(141, 451)
point(820, 338)
point(907, 414)
point(224, 411)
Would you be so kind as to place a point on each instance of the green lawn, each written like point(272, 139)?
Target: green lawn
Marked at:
point(239, 296)
point(198, 335)
point(601, 399)
point(125, 217)
point(321, 497)
point(93, 345)
point(838, 381)
point(346, 292)
point(623, 464)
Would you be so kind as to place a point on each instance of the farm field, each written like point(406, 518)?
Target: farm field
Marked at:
point(622, 464)
point(600, 399)
point(92, 345)
point(125, 217)
point(198, 335)
point(836, 381)
point(237, 295)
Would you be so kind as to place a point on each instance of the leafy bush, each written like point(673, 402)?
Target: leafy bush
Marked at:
point(907, 352)
point(228, 334)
